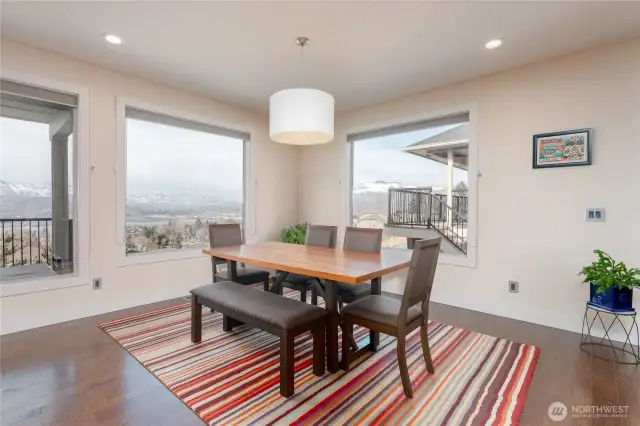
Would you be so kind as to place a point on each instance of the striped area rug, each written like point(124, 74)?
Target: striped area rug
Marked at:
point(233, 378)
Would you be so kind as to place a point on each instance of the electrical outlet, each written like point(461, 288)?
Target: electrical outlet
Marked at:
point(513, 286)
point(97, 283)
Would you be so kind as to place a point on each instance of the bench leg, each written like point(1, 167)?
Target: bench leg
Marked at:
point(319, 343)
point(196, 320)
point(228, 323)
point(286, 365)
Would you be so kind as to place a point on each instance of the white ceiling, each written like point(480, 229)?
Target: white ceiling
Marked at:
point(362, 53)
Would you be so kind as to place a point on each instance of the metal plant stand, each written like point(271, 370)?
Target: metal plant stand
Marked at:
point(588, 342)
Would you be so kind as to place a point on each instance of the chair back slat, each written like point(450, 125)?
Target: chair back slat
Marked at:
point(421, 273)
point(321, 236)
point(365, 240)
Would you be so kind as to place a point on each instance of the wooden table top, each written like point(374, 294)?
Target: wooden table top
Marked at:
point(331, 264)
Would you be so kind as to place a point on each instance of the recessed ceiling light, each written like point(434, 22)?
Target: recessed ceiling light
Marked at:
point(492, 44)
point(113, 39)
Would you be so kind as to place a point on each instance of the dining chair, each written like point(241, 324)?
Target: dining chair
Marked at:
point(317, 236)
point(399, 317)
point(222, 235)
point(364, 240)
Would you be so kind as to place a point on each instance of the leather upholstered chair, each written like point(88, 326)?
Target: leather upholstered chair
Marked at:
point(317, 236)
point(231, 235)
point(399, 317)
point(364, 240)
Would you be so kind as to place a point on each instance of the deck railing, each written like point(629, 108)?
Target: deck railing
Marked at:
point(409, 206)
point(420, 207)
point(459, 203)
point(26, 241)
point(450, 224)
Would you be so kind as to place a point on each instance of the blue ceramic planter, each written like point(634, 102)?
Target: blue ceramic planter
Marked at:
point(613, 298)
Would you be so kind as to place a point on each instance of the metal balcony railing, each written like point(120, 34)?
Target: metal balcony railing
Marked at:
point(420, 207)
point(26, 241)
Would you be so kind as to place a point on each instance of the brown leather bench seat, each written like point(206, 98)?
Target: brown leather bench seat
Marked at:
point(270, 312)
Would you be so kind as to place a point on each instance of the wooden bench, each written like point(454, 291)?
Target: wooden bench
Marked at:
point(270, 312)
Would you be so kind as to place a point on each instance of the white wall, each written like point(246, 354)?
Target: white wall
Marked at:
point(272, 170)
point(531, 223)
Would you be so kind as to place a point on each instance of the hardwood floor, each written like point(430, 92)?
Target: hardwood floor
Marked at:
point(75, 374)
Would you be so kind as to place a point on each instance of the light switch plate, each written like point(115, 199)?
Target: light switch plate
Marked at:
point(595, 214)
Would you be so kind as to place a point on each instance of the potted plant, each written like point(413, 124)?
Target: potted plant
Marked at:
point(611, 282)
point(295, 234)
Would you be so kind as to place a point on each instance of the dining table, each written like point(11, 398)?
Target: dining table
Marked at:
point(329, 266)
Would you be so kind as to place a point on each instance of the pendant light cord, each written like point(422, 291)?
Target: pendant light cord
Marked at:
point(302, 65)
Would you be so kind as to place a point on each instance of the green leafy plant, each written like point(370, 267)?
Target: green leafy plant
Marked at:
point(606, 273)
point(295, 234)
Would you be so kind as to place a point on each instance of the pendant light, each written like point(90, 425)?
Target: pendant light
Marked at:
point(301, 116)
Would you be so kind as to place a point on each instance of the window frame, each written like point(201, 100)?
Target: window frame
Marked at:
point(82, 185)
point(120, 170)
point(473, 173)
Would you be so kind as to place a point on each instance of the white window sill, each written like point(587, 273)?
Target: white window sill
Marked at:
point(19, 287)
point(468, 260)
point(164, 255)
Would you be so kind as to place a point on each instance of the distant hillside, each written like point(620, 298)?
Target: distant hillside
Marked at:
point(23, 200)
point(371, 197)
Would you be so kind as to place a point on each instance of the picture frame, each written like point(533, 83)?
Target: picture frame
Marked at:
point(562, 149)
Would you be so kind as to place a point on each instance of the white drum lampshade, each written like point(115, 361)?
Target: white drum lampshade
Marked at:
point(301, 116)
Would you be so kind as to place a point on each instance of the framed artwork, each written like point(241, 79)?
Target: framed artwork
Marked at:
point(562, 149)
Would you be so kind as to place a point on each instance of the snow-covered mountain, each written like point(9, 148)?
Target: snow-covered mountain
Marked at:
point(183, 198)
point(384, 187)
point(373, 197)
point(377, 186)
point(7, 189)
point(142, 205)
point(25, 200)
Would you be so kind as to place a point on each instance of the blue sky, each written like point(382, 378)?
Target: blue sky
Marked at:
point(25, 152)
point(382, 159)
point(160, 158)
point(167, 159)
point(181, 160)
